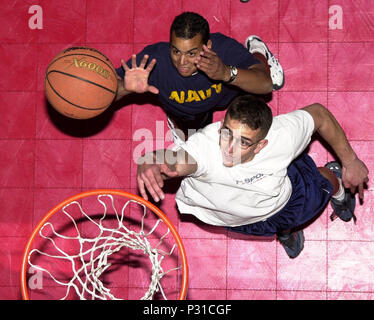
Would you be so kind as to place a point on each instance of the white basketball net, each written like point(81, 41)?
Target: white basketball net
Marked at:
point(88, 265)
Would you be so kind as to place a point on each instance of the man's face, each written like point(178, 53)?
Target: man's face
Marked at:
point(238, 143)
point(183, 53)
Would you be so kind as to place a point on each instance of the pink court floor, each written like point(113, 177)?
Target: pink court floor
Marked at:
point(326, 49)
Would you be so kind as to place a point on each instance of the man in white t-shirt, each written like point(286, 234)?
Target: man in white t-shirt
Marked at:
point(250, 173)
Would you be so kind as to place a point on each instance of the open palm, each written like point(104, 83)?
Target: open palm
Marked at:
point(136, 78)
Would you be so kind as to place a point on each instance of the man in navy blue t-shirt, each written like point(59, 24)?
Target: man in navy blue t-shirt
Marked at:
point(198, 71)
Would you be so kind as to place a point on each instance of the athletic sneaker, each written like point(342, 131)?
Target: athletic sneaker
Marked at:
point(255, 44)
point(343, 209)
point(293, 243)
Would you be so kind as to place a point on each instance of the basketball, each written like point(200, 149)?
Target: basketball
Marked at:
point(80, 82)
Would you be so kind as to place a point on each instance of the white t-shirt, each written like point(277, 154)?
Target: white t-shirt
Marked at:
point(248, 192)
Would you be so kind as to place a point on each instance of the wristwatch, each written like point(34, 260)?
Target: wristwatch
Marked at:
point(233, 74)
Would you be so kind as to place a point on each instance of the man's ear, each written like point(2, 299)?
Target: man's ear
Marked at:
point(262, 144)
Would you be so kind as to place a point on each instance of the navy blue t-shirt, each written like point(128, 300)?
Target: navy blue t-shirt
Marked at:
point(186, 97)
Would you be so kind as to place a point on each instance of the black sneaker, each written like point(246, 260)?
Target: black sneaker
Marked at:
point(293, 243)
point(344, 209)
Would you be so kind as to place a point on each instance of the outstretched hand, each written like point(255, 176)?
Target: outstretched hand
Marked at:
point(151, 176)
point(136, 78)
point(211, 64)
point(355, 175)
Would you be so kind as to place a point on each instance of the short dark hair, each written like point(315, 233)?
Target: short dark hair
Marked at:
point(251, 111)
point(188, 24)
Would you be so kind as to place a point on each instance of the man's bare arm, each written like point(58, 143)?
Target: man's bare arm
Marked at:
point(354, 171)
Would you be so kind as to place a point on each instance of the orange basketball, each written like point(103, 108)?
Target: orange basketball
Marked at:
point(80, 82)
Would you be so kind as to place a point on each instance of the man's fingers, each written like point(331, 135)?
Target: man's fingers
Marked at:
point(203, 61)
point(207, 51)
point(124, 65)
point(153, 89)
point(141, 188)
point(361, 191)
point(152, 183)
point(149, 187)
point(144, 61)
point(203, 64)
point(133, 61)
point(150, 65)
point(157, 181)
point(204, 55)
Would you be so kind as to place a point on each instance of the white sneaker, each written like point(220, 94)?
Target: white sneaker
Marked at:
point(255, 44)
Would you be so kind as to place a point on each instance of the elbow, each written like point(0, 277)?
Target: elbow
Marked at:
point(319, 108)
point(266, 84)
point(265, 87)
point(320, 115)
point(268, 87)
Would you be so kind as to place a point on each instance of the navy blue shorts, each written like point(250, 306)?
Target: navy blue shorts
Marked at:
point(310, 194)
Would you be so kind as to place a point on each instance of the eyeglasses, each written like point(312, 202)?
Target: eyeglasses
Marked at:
point(226, 134)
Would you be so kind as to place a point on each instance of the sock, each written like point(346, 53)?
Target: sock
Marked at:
point(341, 192)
